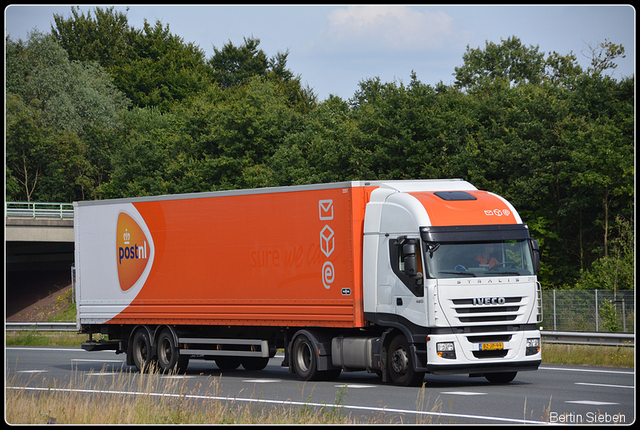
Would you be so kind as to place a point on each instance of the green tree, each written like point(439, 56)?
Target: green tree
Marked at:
point(216, 140)
point(615, 271)
point(324, 148)
point(105, 38)
point(51, 103)
point(152, 66)
point(603, 56)
point(510, 60)
point(236, 65)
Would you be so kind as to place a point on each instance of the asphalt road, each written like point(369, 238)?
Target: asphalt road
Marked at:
point(552, 394)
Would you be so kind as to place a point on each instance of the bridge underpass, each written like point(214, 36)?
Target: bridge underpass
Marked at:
point(38, 252)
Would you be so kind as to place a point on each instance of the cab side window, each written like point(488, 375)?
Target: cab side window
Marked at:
point(406, 263)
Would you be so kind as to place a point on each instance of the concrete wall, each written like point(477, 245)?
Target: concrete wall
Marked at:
point(38, 230)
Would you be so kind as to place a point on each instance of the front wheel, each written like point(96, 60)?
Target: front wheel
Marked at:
point(304, 358)
point(401, 364)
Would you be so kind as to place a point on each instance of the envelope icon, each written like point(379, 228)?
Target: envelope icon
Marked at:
point(326, 209)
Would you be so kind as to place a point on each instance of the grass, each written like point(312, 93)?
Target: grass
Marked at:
point(611, 356)
point(151, 399)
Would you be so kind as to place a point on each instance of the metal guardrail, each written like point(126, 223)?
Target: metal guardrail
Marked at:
point(562, 337)
point(587, 338)
point(41, 326)
point(38, 210)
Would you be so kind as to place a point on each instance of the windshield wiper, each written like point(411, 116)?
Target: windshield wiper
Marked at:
point(460, 273)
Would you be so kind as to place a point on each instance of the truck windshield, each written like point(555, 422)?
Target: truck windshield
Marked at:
point(478, 259)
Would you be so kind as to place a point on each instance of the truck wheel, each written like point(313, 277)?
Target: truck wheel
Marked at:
point(401, 364)
point(141, 349)
point(227, 363)
point(500, 378)
point(169, 358)
point(304, 359)
point(255, 363)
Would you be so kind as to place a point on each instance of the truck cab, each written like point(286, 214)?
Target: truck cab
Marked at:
point(452, 270)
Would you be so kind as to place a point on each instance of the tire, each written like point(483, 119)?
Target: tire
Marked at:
point(401, 364)
point(228, 363)
point(500, 378)
point(169, 358)
point(304, 360)
point(141, 350)
point(255, 363)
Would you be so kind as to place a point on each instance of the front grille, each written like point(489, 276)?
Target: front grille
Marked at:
point(490, 338)
point(467, 312)
point(499, 353)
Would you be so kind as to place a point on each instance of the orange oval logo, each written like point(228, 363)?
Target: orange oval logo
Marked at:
point(132, 249)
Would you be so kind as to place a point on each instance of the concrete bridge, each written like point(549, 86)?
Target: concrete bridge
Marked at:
point(39, 251)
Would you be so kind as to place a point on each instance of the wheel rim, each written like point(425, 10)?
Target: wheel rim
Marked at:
point(141, 351)
point(400, 361)
point(165, 352)
point(303, 358)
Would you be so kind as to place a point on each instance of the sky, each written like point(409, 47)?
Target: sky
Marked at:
point(333, 47)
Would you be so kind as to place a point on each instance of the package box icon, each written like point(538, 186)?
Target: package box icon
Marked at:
point(326, 209)
point(327, 241)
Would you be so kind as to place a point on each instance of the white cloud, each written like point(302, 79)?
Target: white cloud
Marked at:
point(396, 28)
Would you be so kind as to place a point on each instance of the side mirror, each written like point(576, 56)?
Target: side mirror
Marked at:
point(410, 260)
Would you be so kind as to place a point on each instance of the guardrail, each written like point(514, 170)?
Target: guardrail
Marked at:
point(38, 210)
point(41, 326)
point(562, 337)
point(586, 338)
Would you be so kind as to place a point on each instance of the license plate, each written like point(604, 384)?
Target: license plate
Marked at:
point(490, 346)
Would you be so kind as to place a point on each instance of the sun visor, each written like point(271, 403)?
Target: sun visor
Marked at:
point(473, 233)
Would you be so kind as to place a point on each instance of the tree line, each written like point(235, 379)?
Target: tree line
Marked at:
point(99, 109)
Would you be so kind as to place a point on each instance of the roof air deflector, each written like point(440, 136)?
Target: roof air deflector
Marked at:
point(454, 195)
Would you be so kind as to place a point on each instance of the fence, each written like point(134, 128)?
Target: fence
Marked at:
point(38, 210)
point(589, 310)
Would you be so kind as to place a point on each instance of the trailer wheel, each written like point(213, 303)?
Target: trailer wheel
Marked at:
point(500, 378)
point(400, 364)
point(304, 359)
point(255, 363)
point(169, 358)
point(141, 349)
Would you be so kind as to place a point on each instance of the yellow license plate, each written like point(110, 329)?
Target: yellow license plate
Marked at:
point(489, 346)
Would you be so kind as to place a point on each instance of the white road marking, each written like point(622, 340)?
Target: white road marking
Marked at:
point(32, 371)
point(463, 393)
point(585, 370)
point(261, 381)
point(95, 360)
point(354, 386)
point(604, 385)
point(178, 376)
point(103, 373)
point(590, 402)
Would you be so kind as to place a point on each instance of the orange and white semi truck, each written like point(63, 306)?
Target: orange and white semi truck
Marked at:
point(398, 278)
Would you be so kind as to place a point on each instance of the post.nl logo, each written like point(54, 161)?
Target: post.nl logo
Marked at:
point(132, 251)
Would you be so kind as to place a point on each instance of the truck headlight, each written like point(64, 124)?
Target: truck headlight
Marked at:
point(446, 350)
point(533, 346)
